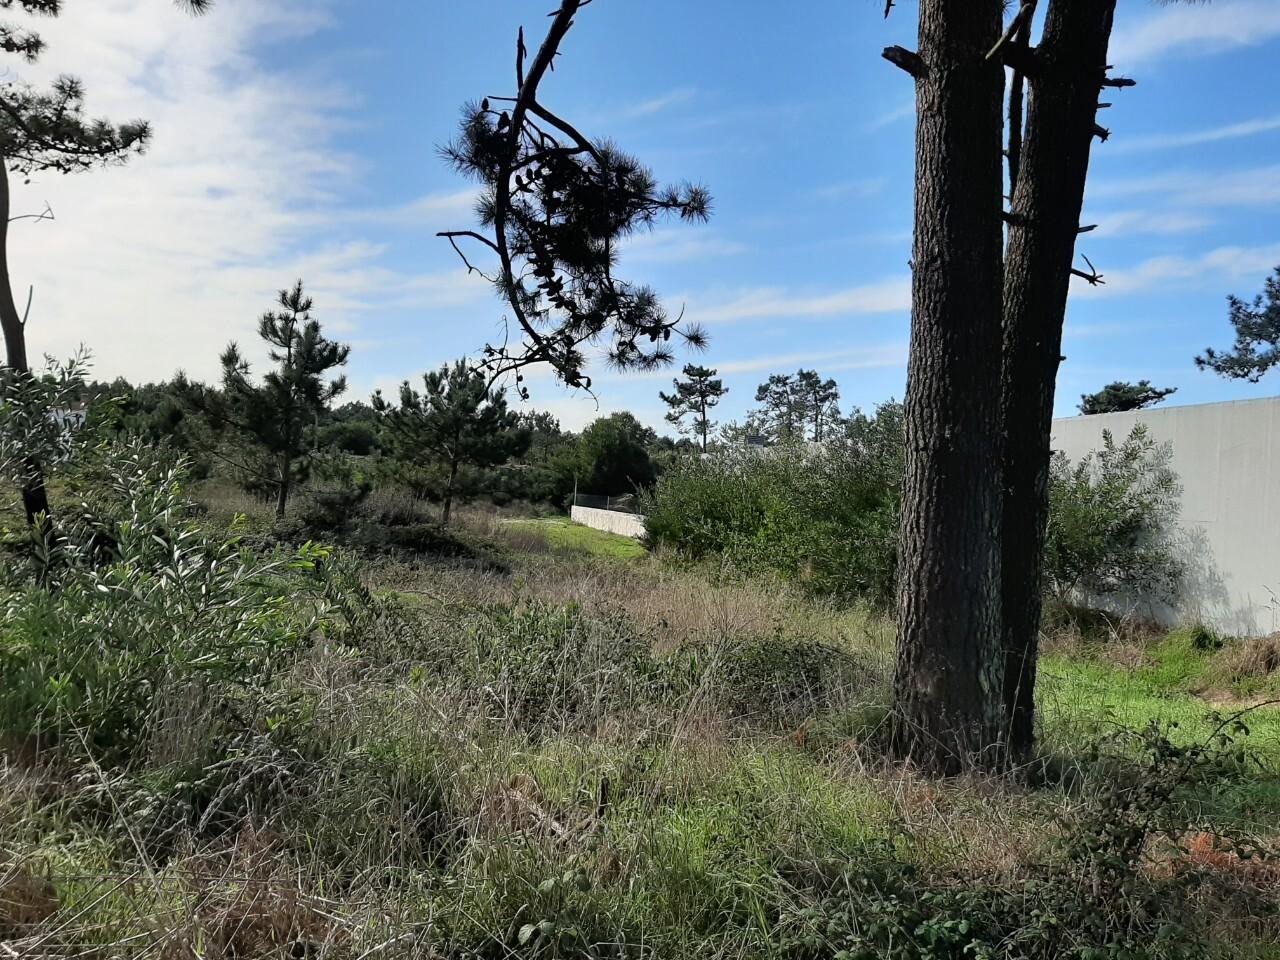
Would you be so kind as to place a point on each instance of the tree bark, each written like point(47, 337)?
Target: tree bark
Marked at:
point(286, 482)
point(447, 509)
point(35, 499)
point(703, 421)
point(948, 681)
point(1047, 199)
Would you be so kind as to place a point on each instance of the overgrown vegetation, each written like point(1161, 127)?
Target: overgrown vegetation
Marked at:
point(826, 517)
point(218, 748)
point(1111, 519)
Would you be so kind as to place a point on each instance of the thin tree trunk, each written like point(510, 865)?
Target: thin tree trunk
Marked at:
point(286, 482)
point(35, 499)
point(447, 509)
point(703, 423)
point(947, 685)
point(1067, 72)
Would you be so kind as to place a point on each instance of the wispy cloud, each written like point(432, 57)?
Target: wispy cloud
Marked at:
point(433, 211)
point(1195, 30)
point(1115, 223)
point(828, 361)
point(1206, 188)
point(862, 189)
point(905, 109)
point(885, 296)
point(1190, 138)
point(647, 108)
point(1211, 268)
point(678, 244)
point(155, 265)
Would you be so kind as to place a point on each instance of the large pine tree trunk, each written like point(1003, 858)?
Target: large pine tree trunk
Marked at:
point(1066, 76)
point(948, 681)
point(35, 499)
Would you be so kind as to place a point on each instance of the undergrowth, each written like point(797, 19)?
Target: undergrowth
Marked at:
point(219, 746)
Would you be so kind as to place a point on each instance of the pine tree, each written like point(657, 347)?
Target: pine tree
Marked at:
point(1257, 327)
point(1120, 396)
point(780, 412)
point(458, 420)
point(612, 456)
point(948, 614)
point(554, 208)
point(46, 130)
point(275, 416)
point(947, 706)
point(694, 397)
point(818, 400)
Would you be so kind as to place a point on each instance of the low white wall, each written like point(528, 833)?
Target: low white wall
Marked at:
point(1227, 456)
point(626, 524)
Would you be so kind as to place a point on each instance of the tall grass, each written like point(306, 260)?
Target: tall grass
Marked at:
point(560, 757)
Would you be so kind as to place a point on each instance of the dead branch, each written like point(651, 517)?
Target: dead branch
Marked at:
point(1093, 277)
point(1020, 35)
point(45, 214)
point(1021, 19)
point(905, 59)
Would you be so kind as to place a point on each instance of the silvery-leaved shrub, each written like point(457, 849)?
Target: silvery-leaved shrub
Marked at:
point(124, 600)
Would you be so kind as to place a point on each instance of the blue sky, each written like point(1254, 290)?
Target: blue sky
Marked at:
point(299, 138)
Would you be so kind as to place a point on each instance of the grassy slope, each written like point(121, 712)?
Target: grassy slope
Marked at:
point(563, 533)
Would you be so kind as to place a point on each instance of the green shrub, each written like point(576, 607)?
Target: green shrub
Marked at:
point(1110, 518)
point(826, 518)
point(129, 600)
point(332, 503)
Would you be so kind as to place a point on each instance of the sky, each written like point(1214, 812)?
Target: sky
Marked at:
point(299, 138)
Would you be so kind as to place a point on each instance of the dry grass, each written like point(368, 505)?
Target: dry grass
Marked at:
point(688, 748)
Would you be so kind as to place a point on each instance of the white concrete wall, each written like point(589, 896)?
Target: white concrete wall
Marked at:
point(613, 521)
point(1227, 456)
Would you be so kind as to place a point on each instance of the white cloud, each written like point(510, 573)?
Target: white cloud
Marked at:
point(1190, 30)
point(157, 264)
point(905, 109)
point(1208, 188)
point(678, 245)
point(827, 361)
point(1213, 267)
point(1169, 141)
point(861, 189)
point(1159, 222)
point(657, 104)
point(884, 296)
point(434, 211)
point(853, 358)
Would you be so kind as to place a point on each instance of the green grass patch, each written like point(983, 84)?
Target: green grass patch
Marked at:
point(1082, 699)
point(563, 534)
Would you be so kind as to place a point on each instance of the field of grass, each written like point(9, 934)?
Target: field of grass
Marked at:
point(555, 745)
point(563, 533)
